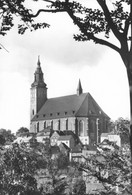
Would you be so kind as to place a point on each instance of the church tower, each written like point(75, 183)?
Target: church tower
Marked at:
point(79, 88)
point(38, 91)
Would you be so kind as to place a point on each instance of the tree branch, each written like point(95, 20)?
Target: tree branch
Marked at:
point(127, 23)
point(131, 26)
point(108, 18)
point(3, 48)
point(106, 43)
point(91, 36)
point(49, 1)
point(80, 25)
point(47, 10)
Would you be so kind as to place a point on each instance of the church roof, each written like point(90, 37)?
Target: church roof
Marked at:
point(82, 105)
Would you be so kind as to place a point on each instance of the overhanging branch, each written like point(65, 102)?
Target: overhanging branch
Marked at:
point(79, 24)
point(108, 18)
point(106, 43)
point(91, 36)
point(49, 1)
point(47, 10)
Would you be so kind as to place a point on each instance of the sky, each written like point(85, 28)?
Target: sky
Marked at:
point(64, 61)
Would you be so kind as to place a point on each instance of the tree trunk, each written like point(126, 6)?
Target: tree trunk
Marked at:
point(129, 74)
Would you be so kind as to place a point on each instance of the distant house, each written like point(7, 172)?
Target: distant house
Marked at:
point(75, 136)
point(108, 145)
point(66, 139)
point(78, 112)
point(76, 153)
point(44, 134)
point(112, 138)
point(55, 136)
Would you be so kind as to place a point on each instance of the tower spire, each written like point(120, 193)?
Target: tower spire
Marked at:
point(38, 76)
point(38, 91)
point(79, 88)
point(38, 63)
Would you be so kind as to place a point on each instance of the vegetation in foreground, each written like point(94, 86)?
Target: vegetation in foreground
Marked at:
point(22, 167)
point(34, 169)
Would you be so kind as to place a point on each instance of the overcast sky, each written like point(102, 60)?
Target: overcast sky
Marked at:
point(63, 62)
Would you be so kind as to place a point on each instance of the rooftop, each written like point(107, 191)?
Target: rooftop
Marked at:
point(69, 106)
point(65, 137)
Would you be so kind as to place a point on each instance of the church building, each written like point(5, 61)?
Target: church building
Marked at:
point(78, 113)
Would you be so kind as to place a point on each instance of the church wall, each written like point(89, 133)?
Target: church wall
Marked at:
point(93, 130)
point(97, 125)
point(91, 127)
point(37, 99)
point(71, 124)
point(33, 127)
point(55, 124)
point(33, 103)
point(64, 124)
point(82, 126)
point(41, 97)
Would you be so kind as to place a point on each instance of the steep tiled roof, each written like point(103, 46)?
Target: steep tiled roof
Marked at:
point(68, 132)
point(64, 145)
point(68, 106)
point(65, 137)
point(77, 149)
point(59, 132)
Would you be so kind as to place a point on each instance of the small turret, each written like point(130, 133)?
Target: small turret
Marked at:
point(79, 88)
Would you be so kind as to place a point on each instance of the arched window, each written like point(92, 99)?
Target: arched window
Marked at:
point(58, 124)
point(81, 128)
point(93, 131)
point(37, 127)
point(44, 124)
point(66, 124)
point(51, 124)
point(93, 126)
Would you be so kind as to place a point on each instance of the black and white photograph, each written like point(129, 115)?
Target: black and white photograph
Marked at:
point(66, 97)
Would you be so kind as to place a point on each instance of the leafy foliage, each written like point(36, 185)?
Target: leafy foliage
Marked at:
point(91, 22)
point(79, 187)
point(49, 169)
point(2, 140)
point(111, 168)
point(7, 135)
point(22, 167)
point(22, 131)
point(62, 161)
point(122, 128)
point(17, 170)
point(9, 10)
